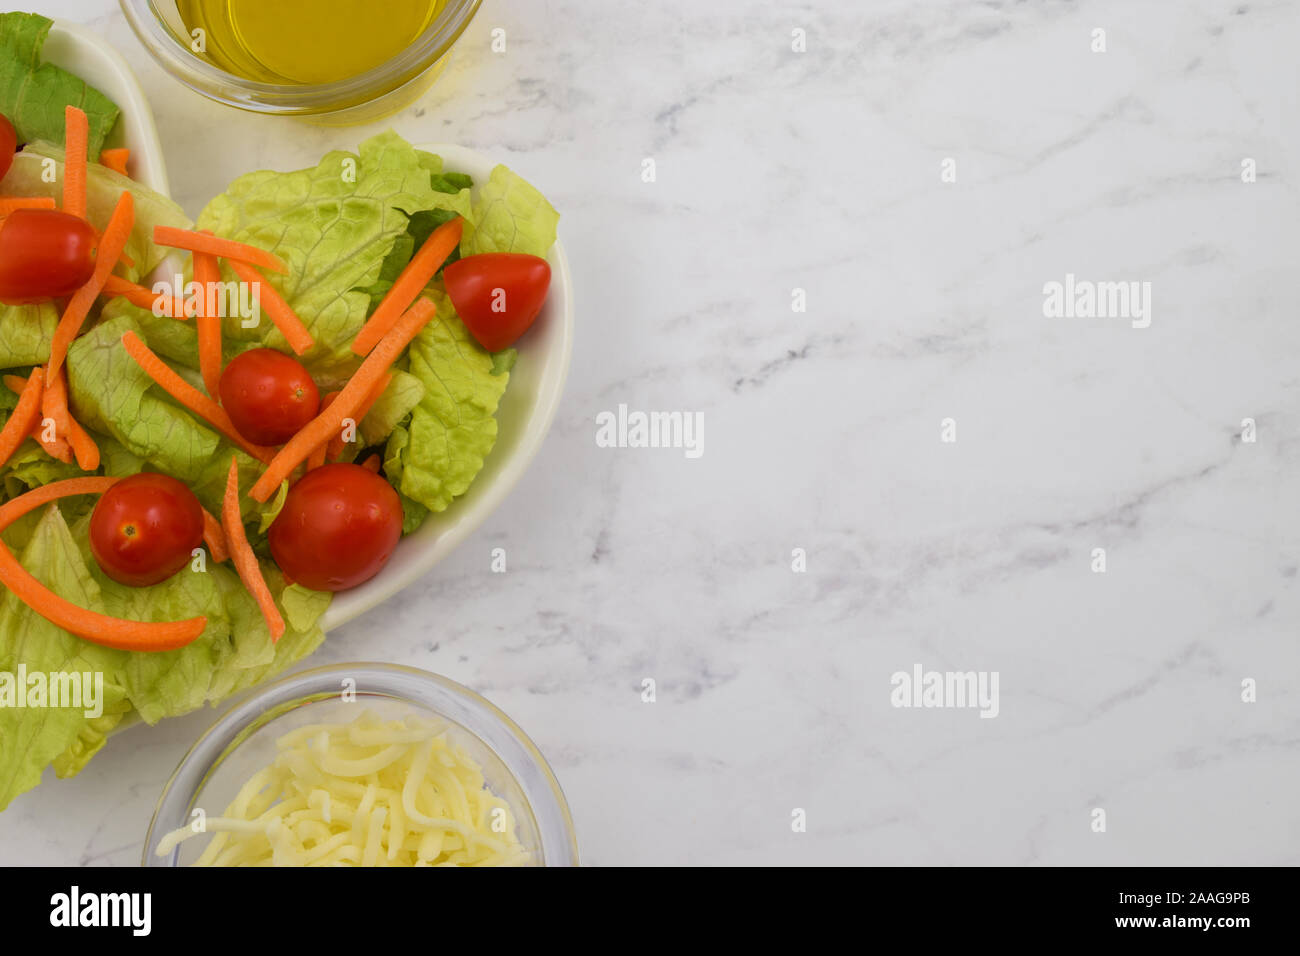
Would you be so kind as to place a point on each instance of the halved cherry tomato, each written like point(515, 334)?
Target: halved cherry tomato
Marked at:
point(8, 143)
point(44, 254)
point(498, 295)
point(145, 528)
point(268, 395)
point(337, 529)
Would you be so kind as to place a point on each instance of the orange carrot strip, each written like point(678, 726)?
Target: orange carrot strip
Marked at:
point(54, 407)
point(250, 572)
point(76, 138)
point(326, 423)
point(115, 159)
point(15, 383)
point(207, 273)
point(110, 247)
point(54, 404)
point(273, 304)
point(319, 453)
point(216, 246)
point(372, 464)
point(83, 446)
point(97, 628)
point(144, 298)
point(215, 538)
point(26, 415)
point(189, 396)
point(336, 442)
point(15, 508)
point(9, 204)
point(422, 267)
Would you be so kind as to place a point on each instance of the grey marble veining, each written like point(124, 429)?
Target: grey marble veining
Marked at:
point(778, 170)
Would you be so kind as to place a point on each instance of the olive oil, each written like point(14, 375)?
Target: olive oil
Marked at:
point(303, 41)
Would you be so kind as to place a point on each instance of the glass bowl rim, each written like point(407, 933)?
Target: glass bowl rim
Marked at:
point(544, 799)
point(167, 49)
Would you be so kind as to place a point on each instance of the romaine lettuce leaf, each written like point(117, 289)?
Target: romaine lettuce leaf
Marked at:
point(234, 652)
point(453, 427)
point(25, 333)
point(510, 215)
point(34, 94)
point(33, 737)
point(333, 225)
point(103, 187)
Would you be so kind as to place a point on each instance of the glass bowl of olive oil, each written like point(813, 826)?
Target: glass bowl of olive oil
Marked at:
point(335, 61)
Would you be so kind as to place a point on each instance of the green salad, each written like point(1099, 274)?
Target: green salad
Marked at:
point(128, 394)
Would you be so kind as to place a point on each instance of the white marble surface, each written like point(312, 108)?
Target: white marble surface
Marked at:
point(821, 171)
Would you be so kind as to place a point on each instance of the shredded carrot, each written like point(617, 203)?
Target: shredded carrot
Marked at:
point(317, 457)
point(54, 408)
point(97, 628)
point(273, 304)
point(144, 298)
point(76, 138)
point(207, 274)
point(10, 204)
point(372, 464)
point(83, 446)
point(15, 383)
point(336, 443)
point(325, 424)
point(29, 501)
point(216, 246)
point(110, 247)
point(189, 396)
point(54, 405)
point(115, 159)
point(250, 572)
point(26, 416)
point(424, 264)
point(318, 454)
point(215, 538)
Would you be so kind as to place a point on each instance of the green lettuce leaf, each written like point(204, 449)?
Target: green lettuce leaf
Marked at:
point(234, 652)
point(25, 333)
point(333, 225)
point(398, 400)
point(510, 215)
point(453, 428)
point(34, 94)
point(103, 187)
point(33, 737)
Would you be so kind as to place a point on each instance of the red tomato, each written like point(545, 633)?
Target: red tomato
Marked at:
point(8, 143)
point(498, 295)
point(268, 395)
point(144, 529)
point(337, 529)
point(44, 254)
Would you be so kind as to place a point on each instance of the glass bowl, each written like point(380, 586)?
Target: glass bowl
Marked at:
point(367, 96)
point(242, 741)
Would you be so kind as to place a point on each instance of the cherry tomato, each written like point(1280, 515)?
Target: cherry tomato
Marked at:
point(8, 143)
point(498, 295)
point(268, 395)
point(337, 529)
point(145, 528)
point(44, 254)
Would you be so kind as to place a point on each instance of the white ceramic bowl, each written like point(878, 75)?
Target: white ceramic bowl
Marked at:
point(524, 418)
point(536, 382)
